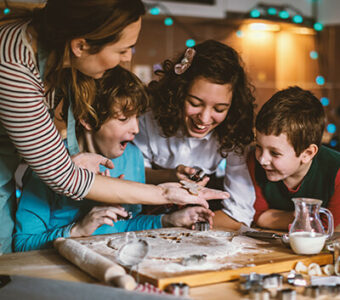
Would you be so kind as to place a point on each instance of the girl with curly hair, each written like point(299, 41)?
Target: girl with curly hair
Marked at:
point(202, 111)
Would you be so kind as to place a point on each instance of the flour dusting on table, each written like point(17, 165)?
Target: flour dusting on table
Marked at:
point(168, 247)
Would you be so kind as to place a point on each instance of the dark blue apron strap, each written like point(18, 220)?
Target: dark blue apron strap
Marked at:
point(72, 143)
point(42, 57)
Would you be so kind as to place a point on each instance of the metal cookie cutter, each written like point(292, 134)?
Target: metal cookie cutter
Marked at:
point(259, 293)
point(198, 176)
point(287, 294)
point(178, 289)
point(195, 259)
point(296, 279)
point(272, 281)
point(202, 226)
point(250, 281)
point(128, 217)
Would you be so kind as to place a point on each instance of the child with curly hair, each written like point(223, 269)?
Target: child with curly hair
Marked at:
point(44, 215)
point(202, 111)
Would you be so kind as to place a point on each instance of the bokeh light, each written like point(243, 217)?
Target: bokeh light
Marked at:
point(272, 11)
point(324, 101)
point(284, 14)
point(331, 128)
point(314, 55)
point(190, 43)
point(255, 13)
point(318, 26)
point(168, 21)
point(333, 143)
point(239, 33)
point(154, 11)
point(320, 80)
point(297, 19)
point(7, 11)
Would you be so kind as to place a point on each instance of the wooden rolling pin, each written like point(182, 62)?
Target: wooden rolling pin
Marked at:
point(94, 264)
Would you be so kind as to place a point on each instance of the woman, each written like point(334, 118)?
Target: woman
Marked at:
point(60, 49)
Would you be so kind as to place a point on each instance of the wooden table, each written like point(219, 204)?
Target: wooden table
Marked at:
point(49, 264)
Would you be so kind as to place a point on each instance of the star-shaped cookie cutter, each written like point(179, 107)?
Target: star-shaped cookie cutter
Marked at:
point(192, 187)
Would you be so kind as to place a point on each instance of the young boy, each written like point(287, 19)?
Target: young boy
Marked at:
point(43, 215)
point(290, 161)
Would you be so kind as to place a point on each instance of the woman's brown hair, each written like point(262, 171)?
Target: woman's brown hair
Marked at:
point(99, 22)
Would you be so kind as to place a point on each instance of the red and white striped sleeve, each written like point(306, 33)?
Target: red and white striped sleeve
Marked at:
point(25, 117)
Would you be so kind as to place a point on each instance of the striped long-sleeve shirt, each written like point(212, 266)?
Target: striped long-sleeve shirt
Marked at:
point(25, 119)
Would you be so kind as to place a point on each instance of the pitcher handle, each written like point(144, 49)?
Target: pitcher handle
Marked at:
point(330, 220)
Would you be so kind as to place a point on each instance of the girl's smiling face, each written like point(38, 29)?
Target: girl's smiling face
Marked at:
point(206, 106)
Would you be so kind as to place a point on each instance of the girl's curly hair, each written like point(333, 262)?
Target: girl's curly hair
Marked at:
point(217, 63)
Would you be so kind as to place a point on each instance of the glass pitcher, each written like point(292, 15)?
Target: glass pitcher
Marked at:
point(307, 235)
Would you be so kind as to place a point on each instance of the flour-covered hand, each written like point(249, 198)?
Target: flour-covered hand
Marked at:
point(188, 216)
point(176, 194)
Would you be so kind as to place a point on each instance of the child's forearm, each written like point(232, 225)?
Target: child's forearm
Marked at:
point(275, 219)
point(222, 221)
point(29, 241)
point(159, 176)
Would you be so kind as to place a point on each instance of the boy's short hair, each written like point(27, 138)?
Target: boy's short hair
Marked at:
point(295, 112)
point(119, 91)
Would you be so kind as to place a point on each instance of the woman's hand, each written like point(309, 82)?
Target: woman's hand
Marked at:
point(92, 161)
point(183, 172)
point(98, 216)
point(187, 217)
point(176, 194)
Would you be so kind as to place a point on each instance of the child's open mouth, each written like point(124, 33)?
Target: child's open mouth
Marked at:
point(124, 143)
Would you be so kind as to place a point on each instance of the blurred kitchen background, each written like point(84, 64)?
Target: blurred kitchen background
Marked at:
point(282, 43)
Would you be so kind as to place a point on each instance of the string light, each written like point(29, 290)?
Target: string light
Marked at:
point(239, 33)
point(168, 21)
point(154, 11)
point(255, 13)
point(313, 54)
point(283, 14)
point(297, 19)
point(333, 143)
point(331, 128)
point(318, 26)
point(324, 101)
point(190, 43)
point(320, 80)
point(272, 11)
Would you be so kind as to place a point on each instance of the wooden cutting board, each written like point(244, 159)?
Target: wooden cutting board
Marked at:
point(226, 256)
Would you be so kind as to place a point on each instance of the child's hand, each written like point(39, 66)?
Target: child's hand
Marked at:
point(187, 217)
point(98, 216)
point(92, 161)
point(184, 173)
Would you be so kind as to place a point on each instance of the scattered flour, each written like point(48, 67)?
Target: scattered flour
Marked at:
point(168, 247)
